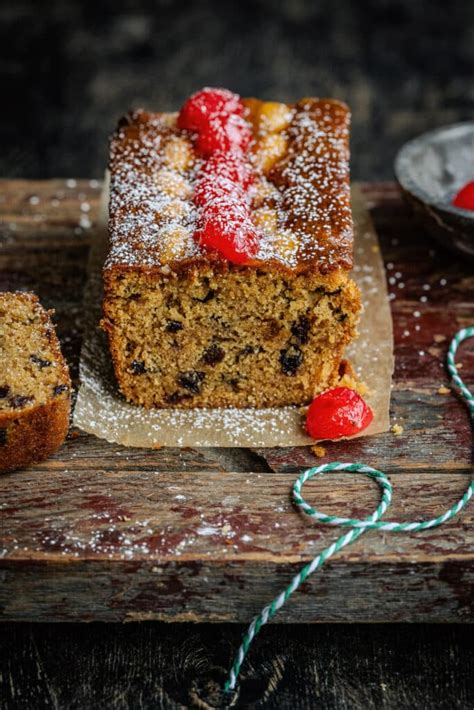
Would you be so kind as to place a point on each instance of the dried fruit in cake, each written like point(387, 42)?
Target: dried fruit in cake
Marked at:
point(337, 413)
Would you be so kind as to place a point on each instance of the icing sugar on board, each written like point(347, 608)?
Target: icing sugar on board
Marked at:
point(101, 410)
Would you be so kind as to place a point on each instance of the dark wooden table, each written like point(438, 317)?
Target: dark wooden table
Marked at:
point(44, 241)
point(154, 665)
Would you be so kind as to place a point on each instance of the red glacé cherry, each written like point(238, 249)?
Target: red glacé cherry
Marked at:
point(213, 188)
point(230, 166)
point(227, 228)
point(465, 197)
point(223, 137)
point(198, 109)
point(336, 413)
point(227, 133)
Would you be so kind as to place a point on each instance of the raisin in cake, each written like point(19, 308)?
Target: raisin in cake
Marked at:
point(216, 296)
point(34, 383)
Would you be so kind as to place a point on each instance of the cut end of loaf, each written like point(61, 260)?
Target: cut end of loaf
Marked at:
point(247, 338)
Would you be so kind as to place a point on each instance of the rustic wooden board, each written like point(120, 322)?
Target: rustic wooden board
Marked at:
point(108, 533)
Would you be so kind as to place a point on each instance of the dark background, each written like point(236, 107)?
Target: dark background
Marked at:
point(71, 68)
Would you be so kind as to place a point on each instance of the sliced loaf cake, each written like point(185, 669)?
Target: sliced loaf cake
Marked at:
point(35, 387)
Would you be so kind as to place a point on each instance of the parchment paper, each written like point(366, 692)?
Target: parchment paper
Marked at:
point(101, 410)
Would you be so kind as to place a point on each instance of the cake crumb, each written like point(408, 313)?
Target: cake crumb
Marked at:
point(318, 451)
point(444, 390)
point(349, 378)
point(397, 429)
point(439, 338)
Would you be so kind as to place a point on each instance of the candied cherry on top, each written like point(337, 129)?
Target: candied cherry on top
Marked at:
point(228, 229)
point(201, 106)
point(231, 166)
point(222, 137)
point(465, 197)
point(213, 188)
point(224, 133)
point(336, 413)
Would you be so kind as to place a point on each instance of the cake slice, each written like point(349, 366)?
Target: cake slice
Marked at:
point(254, 307)
point(35, 386)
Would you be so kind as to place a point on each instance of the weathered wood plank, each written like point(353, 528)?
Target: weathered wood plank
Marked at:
point(198, 591)
point(141, 514)
point(123, 545)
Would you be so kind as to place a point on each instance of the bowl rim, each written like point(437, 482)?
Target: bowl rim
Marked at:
point(408, 184)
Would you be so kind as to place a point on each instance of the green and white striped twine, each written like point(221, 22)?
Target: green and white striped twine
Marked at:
point(358, 527)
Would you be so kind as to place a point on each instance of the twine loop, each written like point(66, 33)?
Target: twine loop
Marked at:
point(357, 527)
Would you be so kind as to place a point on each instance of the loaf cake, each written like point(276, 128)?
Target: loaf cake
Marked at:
point(35, 387)
point(227, 279)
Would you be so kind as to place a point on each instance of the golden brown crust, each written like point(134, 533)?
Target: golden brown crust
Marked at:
point(34, 434)
point(32, 431)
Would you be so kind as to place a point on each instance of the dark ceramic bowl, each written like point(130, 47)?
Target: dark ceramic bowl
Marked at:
point(431, 169)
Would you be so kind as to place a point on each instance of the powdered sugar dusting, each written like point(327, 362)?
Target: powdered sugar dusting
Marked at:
point(314, 181)
point(153, 219)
